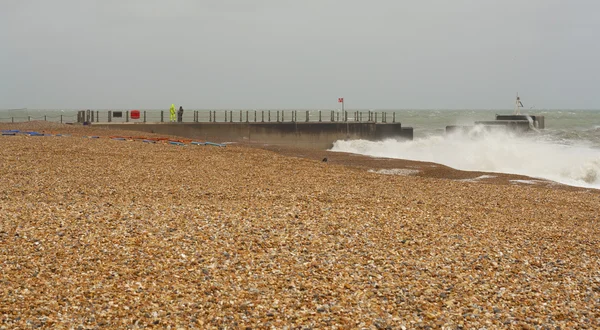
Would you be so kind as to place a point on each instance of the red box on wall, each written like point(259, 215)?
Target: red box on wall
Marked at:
point(135, 114)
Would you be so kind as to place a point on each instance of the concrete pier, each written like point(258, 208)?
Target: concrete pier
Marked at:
point(316, 135)
point(514, 123)
point(538, 121)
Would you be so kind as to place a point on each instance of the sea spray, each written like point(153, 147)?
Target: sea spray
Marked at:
point(532, 155)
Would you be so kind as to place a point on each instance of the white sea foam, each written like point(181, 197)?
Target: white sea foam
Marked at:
point(481, 177)
point(395, 171)
point(531, 155)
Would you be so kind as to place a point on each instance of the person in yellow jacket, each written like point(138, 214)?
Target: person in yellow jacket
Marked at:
point(172, 117)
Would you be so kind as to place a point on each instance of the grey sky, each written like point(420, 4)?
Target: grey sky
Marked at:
point(289, 54)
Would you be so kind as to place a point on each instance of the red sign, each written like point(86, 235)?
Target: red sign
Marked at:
point(341, 100)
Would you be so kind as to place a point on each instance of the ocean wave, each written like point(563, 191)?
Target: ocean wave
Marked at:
point(535, 155)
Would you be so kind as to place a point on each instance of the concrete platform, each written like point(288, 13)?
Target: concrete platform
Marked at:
point(316, 135)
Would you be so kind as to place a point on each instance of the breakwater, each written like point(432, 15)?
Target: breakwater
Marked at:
point(313, 135)
point(308, 129)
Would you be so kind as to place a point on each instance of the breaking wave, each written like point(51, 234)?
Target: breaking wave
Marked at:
point(534, 155)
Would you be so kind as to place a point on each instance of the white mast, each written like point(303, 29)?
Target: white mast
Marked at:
point(518, 105)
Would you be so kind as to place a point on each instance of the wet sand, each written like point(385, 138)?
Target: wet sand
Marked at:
point(100, 233)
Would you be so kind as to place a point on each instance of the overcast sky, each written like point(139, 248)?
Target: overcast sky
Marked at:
point(392, 54)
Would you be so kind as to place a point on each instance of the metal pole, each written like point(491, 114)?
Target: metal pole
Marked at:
point(28, 118)
point(240, 116)
point(231, 116)
point(45, 118)
point(61, 119)
point(307, 116)
point(144, 116)
point(393, 117)
point(225, 115)
point(110, 116)
point(277, 115)
point(255, 116)
point(127, 116)
point(269, 116)
point(319, 116)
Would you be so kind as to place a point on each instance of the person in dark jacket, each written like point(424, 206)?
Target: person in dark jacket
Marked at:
point(180, 114)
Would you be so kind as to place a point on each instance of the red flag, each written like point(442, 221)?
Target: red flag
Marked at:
point(340, 100)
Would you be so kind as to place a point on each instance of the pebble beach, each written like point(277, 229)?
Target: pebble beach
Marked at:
point(98, 233)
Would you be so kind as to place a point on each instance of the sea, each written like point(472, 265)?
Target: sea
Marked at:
point(567, 151)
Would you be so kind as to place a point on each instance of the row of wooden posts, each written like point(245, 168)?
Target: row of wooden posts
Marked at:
point(61, 120)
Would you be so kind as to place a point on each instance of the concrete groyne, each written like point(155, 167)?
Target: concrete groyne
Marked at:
point(315, 135)
point(308, 129)
point(514, 123)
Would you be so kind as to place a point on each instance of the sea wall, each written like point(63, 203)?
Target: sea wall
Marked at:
point(302, 134)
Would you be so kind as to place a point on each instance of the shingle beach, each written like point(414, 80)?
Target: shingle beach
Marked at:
point(97, 233)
